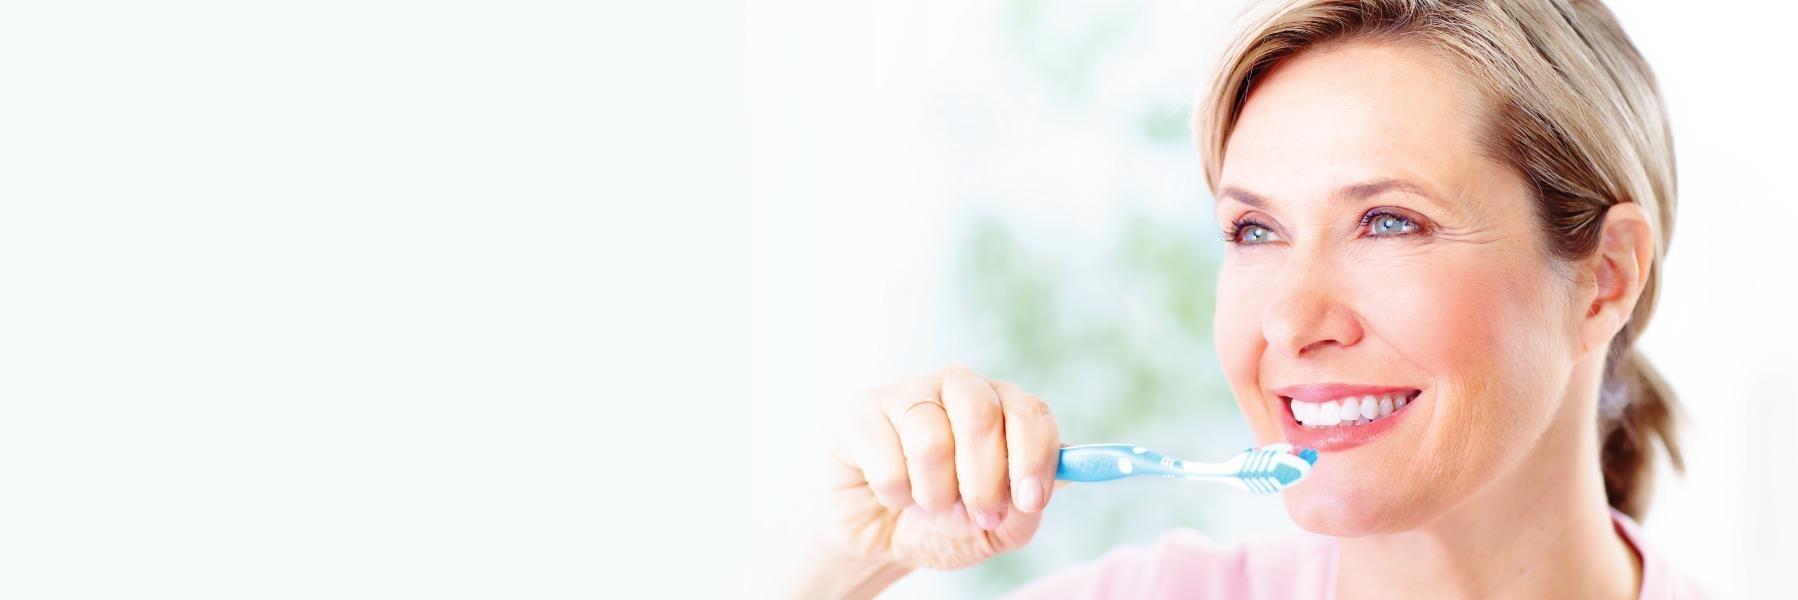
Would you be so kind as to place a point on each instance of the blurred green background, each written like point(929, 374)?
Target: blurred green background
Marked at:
point(1087, 259)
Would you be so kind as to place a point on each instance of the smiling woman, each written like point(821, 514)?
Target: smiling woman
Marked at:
point(1492, 280)
point(1444, 225)
point(1389, 95)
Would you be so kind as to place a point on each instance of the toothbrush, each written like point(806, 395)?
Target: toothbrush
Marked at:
point(1266, 469)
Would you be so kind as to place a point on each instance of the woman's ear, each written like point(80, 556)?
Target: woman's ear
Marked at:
point(1619, 269)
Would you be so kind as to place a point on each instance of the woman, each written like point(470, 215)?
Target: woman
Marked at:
point(1455, 209)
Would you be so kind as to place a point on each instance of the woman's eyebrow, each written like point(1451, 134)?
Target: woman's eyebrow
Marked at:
point(1363, 191)
point(1357, 191)
point(1244, 196)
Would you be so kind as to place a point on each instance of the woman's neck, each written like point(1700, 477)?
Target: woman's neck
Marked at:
point(1542, 530)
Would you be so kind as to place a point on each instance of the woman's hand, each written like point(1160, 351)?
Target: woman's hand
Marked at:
point(941, 471)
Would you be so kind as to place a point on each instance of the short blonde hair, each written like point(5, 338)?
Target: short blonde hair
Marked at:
point(1573, 107)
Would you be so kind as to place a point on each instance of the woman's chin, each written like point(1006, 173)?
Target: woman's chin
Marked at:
point(1341, 505)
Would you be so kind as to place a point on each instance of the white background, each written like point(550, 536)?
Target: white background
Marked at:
point(372, 299)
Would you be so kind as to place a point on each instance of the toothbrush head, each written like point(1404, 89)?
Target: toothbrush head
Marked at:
point(1275, 467)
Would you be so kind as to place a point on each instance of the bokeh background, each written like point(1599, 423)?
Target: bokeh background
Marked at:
point(1011, 184)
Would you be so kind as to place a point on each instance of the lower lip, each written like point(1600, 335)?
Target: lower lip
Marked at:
point(1339, 438)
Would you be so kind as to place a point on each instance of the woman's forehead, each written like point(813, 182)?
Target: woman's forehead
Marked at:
point(1325, 122)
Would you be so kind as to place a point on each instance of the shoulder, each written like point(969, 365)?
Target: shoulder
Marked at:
point(1186, 564)
point(1661, 580)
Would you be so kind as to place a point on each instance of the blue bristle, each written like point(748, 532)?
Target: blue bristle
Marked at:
point(1286, 474)
point(1309, 455)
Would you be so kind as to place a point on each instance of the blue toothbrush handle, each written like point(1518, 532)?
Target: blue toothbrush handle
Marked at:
point(1105, 462)
point(1267, 469)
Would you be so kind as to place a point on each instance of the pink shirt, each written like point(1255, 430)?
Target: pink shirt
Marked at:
point(1184, 564)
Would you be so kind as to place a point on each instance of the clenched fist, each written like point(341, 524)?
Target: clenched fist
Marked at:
point(942, 471)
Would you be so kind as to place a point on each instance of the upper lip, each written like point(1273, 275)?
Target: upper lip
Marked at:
point(1325, 392)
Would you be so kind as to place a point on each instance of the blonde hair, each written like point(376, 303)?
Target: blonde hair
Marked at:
point(1572, 106)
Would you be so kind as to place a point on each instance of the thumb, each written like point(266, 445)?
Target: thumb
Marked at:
point(1018, 526)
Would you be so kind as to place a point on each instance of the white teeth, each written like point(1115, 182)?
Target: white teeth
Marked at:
point(1328, 414)
point(1347, 411)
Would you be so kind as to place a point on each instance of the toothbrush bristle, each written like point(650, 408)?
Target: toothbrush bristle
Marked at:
point(1309, 455)
point(1268, 471)
point(1287, 474)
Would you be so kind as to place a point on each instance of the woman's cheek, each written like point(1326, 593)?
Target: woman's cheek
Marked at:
point(1455, 307)
point(1440, 319)
point(1237, 335)
point(1469, 326)
point(1235, 332)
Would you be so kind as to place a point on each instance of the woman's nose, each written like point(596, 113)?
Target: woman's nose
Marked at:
point(1309, 316)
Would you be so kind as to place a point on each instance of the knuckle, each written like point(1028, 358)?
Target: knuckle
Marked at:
point(891, 491)
point(1028, 407)
point(981, 416)
point(932, 447)
point(935, 488)
point(982, 498)
point(882, 466)
point(1031, 457)
point(967, 384)
point(986, 488)
point(935, 501)
point(888, 483)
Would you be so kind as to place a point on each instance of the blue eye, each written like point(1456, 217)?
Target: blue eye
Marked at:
point(1389, 225)
point(1246, 232)
point(1255, 234)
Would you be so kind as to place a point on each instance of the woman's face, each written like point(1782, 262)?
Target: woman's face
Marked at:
point(1375, 252)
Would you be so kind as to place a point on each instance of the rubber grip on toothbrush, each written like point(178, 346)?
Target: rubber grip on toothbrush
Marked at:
point(1101, 462)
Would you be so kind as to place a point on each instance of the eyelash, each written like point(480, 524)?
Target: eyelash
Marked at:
point(1233, 233)
point(1417, 227)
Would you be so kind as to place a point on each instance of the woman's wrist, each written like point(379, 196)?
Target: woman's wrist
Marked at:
point(825, 570)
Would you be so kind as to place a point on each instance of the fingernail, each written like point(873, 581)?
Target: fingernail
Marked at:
point(1029, 493)
point(986, 519)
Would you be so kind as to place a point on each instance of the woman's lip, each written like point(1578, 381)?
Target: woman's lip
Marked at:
point(1339, 438)
point(1325, 392)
